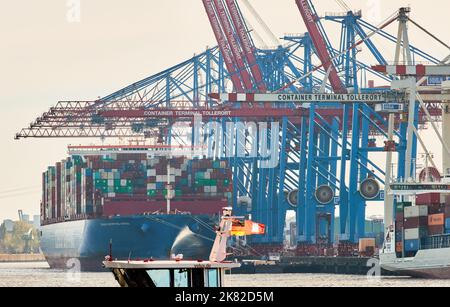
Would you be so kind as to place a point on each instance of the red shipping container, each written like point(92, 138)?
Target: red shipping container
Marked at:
point(416, 222)
point(140, 207)
point(427, 199)
point(399, 217)
point(436, 230)
point(435, 208)
point(58, 190)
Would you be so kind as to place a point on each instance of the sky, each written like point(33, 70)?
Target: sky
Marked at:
point(49, 53)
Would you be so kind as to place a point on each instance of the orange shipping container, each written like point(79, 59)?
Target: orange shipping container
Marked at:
point(436, 219)
point(399, 247)
point(366, 243)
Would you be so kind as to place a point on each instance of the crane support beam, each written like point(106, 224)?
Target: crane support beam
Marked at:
point(413, 70)
point(167, 113)
point(304, 98)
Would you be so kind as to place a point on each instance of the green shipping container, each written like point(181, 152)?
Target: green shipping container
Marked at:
point(101, 183)
point(206, 182)
point(199, 175)
point(123, 190)
point(151, 193)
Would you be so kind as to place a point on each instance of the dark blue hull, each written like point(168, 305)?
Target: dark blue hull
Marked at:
point(85, 243)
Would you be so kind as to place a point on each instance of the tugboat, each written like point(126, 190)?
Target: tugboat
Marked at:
point(177, 272)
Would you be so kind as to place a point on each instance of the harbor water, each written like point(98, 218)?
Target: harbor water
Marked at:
point(38, 274)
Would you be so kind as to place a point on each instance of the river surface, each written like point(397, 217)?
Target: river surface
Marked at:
point(40, 275)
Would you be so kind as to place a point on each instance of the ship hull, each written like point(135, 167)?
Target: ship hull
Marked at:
point(83, 245)
point(431, 264)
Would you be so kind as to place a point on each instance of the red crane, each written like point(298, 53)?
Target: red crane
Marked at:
point(247, 46)
point(223, 45)
point(310, 20)
point(234, 44)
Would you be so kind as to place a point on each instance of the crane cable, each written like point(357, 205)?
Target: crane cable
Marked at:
point(384, 24)
point(429, 33)
point(262, 23)
point(343, 5)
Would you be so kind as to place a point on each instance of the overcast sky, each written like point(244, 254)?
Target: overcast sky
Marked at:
point(46, 57)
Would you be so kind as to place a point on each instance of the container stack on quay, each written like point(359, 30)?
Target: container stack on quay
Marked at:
point(131, 183)
point(421, 226)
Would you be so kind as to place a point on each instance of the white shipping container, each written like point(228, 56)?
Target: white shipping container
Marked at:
point(207, 189)
point(178, 172)
point(207, 175)
point(111, 182)
point(159, 178)
point(416, 211)
point(412, 234)
point(213, 189)
point(151, 172)
point(123, 182)
point(151, 186)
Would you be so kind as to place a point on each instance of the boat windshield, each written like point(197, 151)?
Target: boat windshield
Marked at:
point(179, 278)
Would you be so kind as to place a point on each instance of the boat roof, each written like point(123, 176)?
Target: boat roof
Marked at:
point(169, 264)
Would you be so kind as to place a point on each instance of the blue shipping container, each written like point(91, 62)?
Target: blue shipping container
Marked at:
point(447, 223)
point(412, 245)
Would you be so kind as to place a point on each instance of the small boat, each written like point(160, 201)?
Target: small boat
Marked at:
point(178, 272)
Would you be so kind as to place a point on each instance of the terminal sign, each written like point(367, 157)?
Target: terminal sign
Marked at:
point(303, 98)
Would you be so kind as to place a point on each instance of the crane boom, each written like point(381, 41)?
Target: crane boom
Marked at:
point(223, 45)
point(319, 43)
point(234, 44)
point(246, 44)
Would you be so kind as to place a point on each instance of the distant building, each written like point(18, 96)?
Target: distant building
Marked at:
point(26, 218)
point(36, 221)
point(9, 225)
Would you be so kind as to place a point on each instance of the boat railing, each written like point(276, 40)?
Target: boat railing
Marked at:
point(436, 242)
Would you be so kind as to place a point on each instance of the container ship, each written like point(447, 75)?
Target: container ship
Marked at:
point(420, 244)
point(131, 201)
point(418, 241)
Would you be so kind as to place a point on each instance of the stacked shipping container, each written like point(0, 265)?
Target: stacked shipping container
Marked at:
point(79, 187)
point(416, 226)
